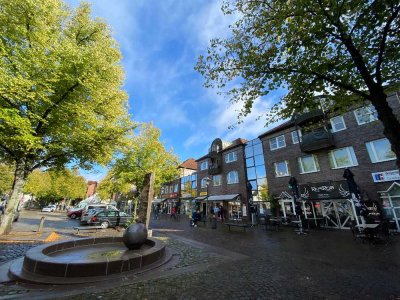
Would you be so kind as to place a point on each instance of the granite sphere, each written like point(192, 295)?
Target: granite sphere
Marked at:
point(135, 236)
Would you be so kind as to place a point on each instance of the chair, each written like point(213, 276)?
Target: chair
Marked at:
point(357, 235)
point(383, 234)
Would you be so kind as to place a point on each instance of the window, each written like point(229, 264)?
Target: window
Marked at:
point(296, 136)
point(230, 157)
point(380, 150)
point(277, 142)
point(251, 173)
point(232, 177)
point(204, 182)
point(258, 149)
point(204, 165)
point(366, 114)
point(217, 180)
point(342, 158)
point(308, 164)
point(281, 169)
point(175, 188)
point(338, 124)
point(171, 188)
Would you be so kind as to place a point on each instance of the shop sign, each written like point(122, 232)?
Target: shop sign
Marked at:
point(203, 194)
point(325, 190)
point(386, 176)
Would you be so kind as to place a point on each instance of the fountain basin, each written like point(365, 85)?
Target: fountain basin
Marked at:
point(90, 257)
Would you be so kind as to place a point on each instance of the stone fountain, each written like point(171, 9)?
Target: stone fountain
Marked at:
point(96, 258)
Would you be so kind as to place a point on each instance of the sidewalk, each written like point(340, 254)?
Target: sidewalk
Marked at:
point(256, 264)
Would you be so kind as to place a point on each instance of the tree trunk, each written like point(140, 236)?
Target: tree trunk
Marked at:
point(390, 122)
point(16, 194)
point(146, 197)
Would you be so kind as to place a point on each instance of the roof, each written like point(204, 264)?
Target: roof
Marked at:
point(233, 144)
point(231, 197)
point(284, 125)
point(189, 164)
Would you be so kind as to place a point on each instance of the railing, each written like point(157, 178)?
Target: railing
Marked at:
point(317, 140)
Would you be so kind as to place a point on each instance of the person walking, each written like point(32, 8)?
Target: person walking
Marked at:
point(215, 216)
point(173, 212)
point(222, 212)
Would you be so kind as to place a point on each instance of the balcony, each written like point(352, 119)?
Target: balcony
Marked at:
point(214, 169)
point(308, 117)
point(317, 140)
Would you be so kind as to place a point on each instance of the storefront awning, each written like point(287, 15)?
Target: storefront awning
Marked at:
point(231, 197)
point(201, 198)
point(157, 201)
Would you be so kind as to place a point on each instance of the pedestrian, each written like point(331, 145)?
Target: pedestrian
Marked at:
point(222, 212)
point(214, 220)
point(173, 212)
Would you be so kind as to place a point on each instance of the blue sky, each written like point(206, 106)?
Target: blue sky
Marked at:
point(160, 41)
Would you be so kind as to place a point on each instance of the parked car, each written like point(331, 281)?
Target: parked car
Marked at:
point(49, 208)
point(75, 212)
point(109, 218)
point(88, 214)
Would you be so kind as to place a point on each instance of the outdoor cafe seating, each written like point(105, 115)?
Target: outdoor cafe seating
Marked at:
point(376, 232)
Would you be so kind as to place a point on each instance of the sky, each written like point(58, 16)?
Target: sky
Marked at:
point(160, 41)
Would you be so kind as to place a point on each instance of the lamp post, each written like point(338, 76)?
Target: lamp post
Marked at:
point(207, 180)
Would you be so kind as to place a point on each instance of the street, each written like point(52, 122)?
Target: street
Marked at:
point(256, 264)
point(54, 221)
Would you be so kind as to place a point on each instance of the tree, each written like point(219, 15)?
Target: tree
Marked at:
point(55, 185)
point(346, 51)
point(6, 178)
point(146, 154)
point(61, 97)
point(110, 186)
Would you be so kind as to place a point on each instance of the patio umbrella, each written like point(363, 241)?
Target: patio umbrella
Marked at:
point(360, 209)
point(293, 185)
point(353, 188)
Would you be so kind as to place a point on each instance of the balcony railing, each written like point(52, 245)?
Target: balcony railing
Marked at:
point(317, 140)
point(214, 169)
point(309, 117)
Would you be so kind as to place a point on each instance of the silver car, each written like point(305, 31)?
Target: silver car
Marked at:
point(87, 215)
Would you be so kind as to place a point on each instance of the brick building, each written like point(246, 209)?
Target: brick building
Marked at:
point(316, 151)
point(221, 179)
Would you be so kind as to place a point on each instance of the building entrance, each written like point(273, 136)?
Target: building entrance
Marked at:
point(329, 213)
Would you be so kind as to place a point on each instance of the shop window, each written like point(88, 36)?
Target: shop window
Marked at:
point(171, 188)
point(204, 165)
point(366, 114)
point(217, 180)
point(277, 142)
point(232, 177)
point(380, 150)
point(281, 169)
point(230, 157)
point(342, 158)
point(296, 136)
point(338, 124)
point(175, 188)
point(308, 164)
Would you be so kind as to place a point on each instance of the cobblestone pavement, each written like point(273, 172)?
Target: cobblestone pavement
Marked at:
point(325, 264)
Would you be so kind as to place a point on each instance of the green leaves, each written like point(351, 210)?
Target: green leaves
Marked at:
point(335, 49)
point(61, 96)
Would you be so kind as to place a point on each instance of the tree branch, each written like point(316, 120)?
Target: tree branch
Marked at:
point(382, 45)
point(55, 104)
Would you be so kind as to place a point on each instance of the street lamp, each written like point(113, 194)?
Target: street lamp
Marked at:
point(208, 181)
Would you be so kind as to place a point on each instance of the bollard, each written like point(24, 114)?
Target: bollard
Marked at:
point(214, 222)
point(41, 225)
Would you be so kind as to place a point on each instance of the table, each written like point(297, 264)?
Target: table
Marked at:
point(370, 226)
